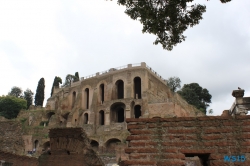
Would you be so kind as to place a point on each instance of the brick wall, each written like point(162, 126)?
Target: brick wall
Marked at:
point(18, 160)
point(173, 141)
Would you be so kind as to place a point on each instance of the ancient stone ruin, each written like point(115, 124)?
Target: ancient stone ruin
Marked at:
point(69, 146)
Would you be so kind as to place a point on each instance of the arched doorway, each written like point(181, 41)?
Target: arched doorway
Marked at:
point(95, 145)
point(46, 146)
point(137, 88)
point(111, 145)
point(120, 89)
point(117, 114)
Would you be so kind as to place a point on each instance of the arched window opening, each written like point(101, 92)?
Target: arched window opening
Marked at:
point(95, 145)
point(111, 144)
point(137, 88)
point(101, 117)
point(120, 89)
point(137, 111)
point(87, 98)
point(117, 112)
point(102, 93)
point(73, 99)
point(85, 118)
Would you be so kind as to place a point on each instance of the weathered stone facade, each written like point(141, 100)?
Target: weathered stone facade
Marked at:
point(206, 141)
point(100, 103)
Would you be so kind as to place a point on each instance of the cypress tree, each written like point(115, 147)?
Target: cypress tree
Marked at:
point(40, 93)
point(57, 82)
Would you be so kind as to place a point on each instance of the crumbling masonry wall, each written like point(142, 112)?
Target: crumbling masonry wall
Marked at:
point(69, 146)
point(171, 141)
point(17, 160)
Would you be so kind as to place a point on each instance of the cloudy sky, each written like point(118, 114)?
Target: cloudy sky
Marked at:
point(54, 38)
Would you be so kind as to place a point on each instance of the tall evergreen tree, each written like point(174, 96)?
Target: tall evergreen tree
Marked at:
point(28, 95)
point(57, 82)
point(40, 93)
point(76, 78)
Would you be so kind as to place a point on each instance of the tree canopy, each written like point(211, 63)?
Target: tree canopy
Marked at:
point(16, 91)
point(195, 95)
point(174, 83)
point(28, 96)
point(71, 78)
point(10, 106)
point(39, 98)
point(167, 19)
point(57, 82)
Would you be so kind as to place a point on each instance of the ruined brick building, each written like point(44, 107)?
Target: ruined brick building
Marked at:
point(100, 103)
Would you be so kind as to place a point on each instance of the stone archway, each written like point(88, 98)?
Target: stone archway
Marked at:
point(117, 112)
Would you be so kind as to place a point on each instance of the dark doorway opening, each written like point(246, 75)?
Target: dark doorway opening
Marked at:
point(87, 98)
point(137, 88)
point(101, 117)
point(137, 111)
point(120, 115)
point(73, 99)
point(95, 145)
point(196, 158)
point(85, 118)
point(120, 89)
point(102, 93)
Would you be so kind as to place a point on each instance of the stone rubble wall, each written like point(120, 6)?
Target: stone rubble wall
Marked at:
point(11, 137)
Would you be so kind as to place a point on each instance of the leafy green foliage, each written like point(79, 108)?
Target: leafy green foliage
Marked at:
point(16, 91)
point(56, 83)
point(10, 106)
point(40, 93)
point(167, 19)
point(195, 95)
point(174, 83)
point(28, 96)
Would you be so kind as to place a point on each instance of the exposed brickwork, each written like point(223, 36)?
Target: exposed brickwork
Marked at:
point(69, 146)
point(170, 141)
point(18, 160)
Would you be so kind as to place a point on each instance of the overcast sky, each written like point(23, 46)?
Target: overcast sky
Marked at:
point(54, 38)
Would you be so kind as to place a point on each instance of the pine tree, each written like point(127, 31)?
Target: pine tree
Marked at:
point(40, 93)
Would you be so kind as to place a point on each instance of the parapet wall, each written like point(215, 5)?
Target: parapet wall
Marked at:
point(173, 141)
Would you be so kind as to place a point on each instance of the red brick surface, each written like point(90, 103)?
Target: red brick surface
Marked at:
point(166, 141)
